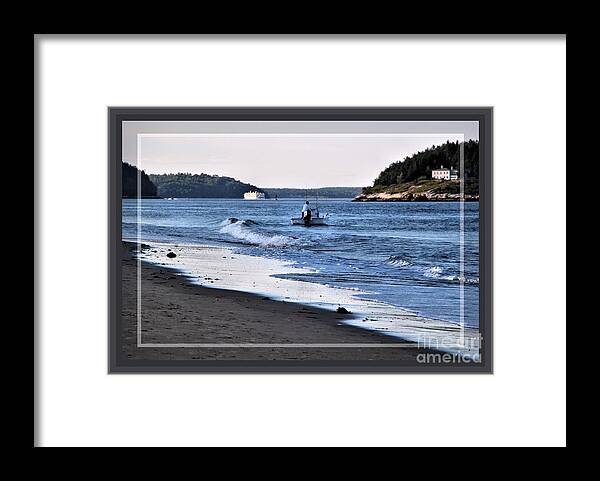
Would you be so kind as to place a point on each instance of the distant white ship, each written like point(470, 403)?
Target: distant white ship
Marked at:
point(252, 195)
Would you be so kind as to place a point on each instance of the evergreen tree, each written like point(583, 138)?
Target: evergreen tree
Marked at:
point(129, 177)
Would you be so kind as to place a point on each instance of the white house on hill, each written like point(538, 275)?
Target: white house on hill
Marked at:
point(444, 174)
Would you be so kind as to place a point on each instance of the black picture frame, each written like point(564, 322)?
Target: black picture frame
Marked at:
point(117, 115)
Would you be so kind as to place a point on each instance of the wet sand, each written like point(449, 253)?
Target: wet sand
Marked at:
point(180, 315)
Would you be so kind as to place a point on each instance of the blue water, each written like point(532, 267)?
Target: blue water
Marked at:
point(404, 254)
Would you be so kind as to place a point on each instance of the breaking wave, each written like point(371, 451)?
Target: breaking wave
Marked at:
point(241, 230)
point(435, 272)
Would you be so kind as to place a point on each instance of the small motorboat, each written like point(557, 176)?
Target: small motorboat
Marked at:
point(314, 220)
point(310, 218)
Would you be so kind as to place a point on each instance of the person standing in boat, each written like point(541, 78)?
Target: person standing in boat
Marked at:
point(306, 213)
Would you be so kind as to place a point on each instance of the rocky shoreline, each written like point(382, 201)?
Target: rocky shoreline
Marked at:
point(414, 197)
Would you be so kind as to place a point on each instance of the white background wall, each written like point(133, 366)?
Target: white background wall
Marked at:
point(522, 403)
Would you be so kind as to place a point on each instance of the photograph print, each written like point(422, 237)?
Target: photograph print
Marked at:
point(300, 240)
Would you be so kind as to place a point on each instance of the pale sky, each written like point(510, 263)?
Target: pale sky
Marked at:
point(285, 154)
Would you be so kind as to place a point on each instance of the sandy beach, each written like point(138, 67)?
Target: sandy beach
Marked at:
point(179, 315)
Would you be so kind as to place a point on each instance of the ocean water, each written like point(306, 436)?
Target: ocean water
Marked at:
point(404, 254)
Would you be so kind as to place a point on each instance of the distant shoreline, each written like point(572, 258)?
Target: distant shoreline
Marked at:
point(240, 198)
point(409, 197)
point(424, 190)
point(359, 198)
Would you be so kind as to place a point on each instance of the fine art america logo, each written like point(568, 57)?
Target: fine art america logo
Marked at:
point(469, 351)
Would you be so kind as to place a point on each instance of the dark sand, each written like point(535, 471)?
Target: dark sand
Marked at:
point(176, 311)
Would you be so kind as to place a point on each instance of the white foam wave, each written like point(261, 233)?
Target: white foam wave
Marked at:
point(435, 272)
point(397, 261)
point(239, 230)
